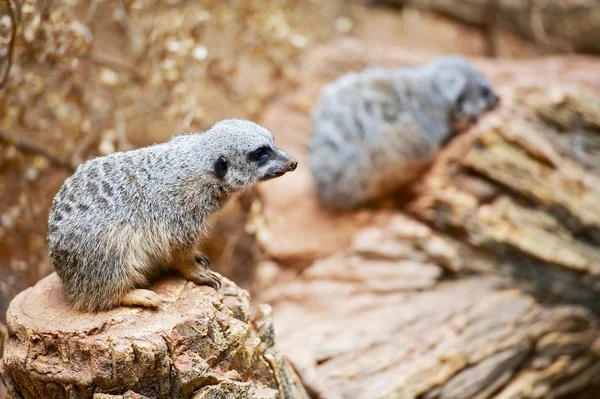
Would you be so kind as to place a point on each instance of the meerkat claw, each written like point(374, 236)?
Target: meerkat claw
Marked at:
point(216, 279)
point(203, 260)
point(208, 278)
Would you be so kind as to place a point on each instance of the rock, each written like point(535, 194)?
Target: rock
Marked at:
point(325, 62)
point(381, 328)
point(299, 230)
point(520, 191)
point(554, 25)
point(468, 338)
point(3, 334)
point(2, 389)
point(488, 289)
point(126, 395)
point(200, 344)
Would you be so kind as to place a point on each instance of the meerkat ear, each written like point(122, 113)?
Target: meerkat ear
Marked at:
point(220, 167)
point(451, 85)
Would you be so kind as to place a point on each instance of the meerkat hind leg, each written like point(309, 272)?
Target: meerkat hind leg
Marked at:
point(141, 297)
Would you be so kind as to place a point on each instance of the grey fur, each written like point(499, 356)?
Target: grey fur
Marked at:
point(122, 219)
point(375, 130)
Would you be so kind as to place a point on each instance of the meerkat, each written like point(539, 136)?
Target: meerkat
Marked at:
point(376, 130)
point(122, 220)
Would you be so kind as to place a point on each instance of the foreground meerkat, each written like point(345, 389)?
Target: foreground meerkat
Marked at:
point(376, 130)
point(124, 219)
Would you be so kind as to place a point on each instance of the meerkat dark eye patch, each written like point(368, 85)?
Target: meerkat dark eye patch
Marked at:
point(486, 92)
point(220, 167)
point(261, 154)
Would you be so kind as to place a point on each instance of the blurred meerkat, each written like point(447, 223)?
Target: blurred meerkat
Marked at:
point(123, 219)
point(376, 130)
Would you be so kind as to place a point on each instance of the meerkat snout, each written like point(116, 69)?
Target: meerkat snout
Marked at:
point(494, 100)
point(273, 162)
point(292, 165)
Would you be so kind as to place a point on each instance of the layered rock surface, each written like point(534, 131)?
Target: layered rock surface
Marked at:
point(200, 344)
point(383, 320)
point(299, 230)
point(485, 285)
point(521, 191)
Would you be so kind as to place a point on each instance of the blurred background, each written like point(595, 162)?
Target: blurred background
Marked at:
point(80, 79)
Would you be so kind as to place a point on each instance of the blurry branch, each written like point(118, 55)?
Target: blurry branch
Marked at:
point(121, 131)
point(93, 137)
point(491, 27)
point(188, 117)
point(33, 148)
point(12, 13)
point(83, 146)
point(115, 63)
point(536, 21)
point(218, 76)
point(91, 10)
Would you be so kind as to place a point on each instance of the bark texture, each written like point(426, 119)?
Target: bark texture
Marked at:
point(200, 345)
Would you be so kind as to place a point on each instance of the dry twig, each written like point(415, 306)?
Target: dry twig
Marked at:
point(11, 44)
point(33, 148)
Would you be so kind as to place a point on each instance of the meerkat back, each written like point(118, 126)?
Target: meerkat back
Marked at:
point(375, 130)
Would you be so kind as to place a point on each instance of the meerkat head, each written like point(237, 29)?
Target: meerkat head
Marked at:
point(466, 89)
point(242, 153)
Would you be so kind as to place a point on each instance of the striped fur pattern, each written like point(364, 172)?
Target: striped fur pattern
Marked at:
point(122, 220)
point(375, 130)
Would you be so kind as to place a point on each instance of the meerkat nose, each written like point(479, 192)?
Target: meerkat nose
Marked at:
point(495, 101)
point(292, 165)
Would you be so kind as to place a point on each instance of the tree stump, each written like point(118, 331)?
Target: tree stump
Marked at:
point(200, 344)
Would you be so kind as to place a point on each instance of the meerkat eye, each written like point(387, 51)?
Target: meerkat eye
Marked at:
point(486, 92)
point(260, 154)
point(462, 98)
point(220, 167)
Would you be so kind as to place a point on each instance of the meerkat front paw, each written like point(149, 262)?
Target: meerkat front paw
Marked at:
point(202, 260)
point(140, 297)
point(206, 277)
point(193, 266)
